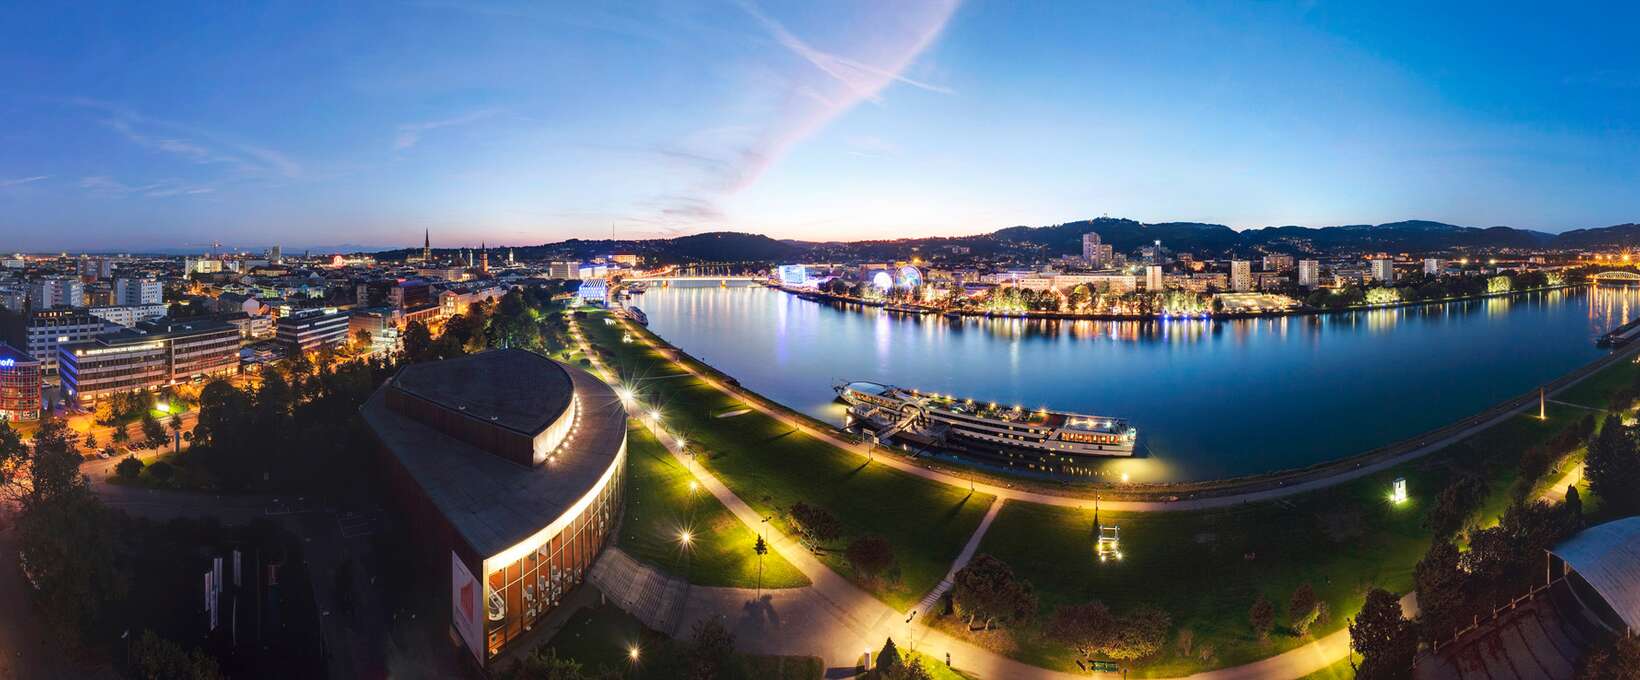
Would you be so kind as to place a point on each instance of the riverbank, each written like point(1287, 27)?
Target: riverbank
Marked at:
point(1201, 494)
point(921, 310)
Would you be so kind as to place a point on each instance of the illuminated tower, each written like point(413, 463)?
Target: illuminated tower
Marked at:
point(427, 246)
point(483, 257)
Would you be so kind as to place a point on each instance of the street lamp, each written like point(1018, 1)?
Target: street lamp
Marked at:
point(632, 653)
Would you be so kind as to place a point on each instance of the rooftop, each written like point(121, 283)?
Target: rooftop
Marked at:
point(1608, 557)
point(521, 391)
point(494, 503)
point(14, 355)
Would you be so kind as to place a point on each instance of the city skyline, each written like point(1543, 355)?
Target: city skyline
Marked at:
point(523, 125)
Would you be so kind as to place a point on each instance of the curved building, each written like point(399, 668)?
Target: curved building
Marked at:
point(509, 468)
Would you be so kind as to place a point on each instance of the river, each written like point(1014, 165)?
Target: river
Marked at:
point(1211, 399)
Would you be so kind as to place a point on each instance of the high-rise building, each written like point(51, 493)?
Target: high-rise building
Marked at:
point(276, 255)
point(96, 267)
point(138, 292)
point(56, 291)
point(1241, 276)
point(1095, 253)
point(1153, 278)
point(1278, 262)
point(1433, 266)
point(48, 328)
point(1089, 241)
point(1383, 270)
point(19, 385)
point(1309, 273)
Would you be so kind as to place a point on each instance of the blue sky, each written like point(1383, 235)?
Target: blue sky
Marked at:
point(130, 125)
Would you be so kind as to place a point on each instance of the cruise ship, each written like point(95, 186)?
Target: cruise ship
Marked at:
point(1052, 441)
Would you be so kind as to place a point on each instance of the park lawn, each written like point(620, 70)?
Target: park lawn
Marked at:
point(603, 636)
point(660, 504)
point(771, 466)
point(1207, 568)
point(1596, 390)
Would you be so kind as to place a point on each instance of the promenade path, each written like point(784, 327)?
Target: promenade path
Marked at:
point(836, 620)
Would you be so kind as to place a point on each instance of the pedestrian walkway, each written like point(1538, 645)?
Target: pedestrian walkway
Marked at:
point(929, 601)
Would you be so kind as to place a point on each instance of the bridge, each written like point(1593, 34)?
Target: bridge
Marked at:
point(1629, 277)
point(686, 277)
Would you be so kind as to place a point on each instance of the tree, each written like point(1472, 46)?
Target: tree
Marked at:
point(543, 664)
point(818, 523)
point(155, 658)
point(418, 343)
point(988, 589)
point(1574, 505)
point(14, 460)
point(1613, 467)
point(1383, 638)
point(1443, 590)
point(889, 658)
point(1617, 658)
point(1454, 504)
point(1262, 616)
point(1087, 628)
point(870, 555)
point(710, 654)
point(129, 467)
point(90, 441)
point(1303, 608)
point(152, 431)
point(65, 538)
point(120, 435)
point(761, 547)
point(907, 671)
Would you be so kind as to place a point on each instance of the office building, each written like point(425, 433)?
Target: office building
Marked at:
point(308, 329)
point(275, 255)
point(14, 297)
point(1383, 270)
point(127, 315)
point(563, 270)
point(48, 328)
point(56, 291)
point(626, 259)
point(510, 469)
point(1278, 262)
point(1096, 253)
point(152, 354)
point(1153, 278)
point(138, 292)
point(1433, 266)
point(19, 385)
point(1309, 273)
point(1241, 276)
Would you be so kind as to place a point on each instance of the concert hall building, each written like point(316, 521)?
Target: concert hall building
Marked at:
point(509, 468)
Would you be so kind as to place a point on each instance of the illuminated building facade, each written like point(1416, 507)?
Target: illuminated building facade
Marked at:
point(19, 385)
point(511, 467)
point(152, 354)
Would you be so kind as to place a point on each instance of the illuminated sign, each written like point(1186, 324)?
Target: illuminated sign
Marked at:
point(464, 608)
point(7, 363)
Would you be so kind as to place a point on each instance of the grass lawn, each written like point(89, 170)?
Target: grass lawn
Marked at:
point(771, 466)
point(1337, 671)
point(660, 504)
point(603, 636)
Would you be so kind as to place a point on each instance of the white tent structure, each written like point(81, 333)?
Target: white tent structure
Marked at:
point(1606, 558)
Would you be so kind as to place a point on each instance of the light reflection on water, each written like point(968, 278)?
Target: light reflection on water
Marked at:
point(1210, 398)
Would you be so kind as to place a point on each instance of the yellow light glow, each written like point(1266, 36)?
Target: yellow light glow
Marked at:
point(632, 653)
point(685, 537)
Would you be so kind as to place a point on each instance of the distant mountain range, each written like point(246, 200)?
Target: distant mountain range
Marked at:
point(1124, 235)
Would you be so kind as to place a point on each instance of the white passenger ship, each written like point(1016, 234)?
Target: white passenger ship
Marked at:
point(1040, 439)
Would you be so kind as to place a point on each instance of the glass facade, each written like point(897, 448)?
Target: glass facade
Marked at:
point(519, 594)
point(19, 390)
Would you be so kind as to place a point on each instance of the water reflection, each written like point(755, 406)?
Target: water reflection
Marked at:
point(1210, 398)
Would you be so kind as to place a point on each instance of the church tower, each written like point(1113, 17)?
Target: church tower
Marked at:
point(427, 246)
point(483, 258)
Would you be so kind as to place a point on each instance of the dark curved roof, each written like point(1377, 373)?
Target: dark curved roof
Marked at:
point(519, 390)
point(1607, 556)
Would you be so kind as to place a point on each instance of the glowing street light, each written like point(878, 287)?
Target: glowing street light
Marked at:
point(632, 654)
point(1398, 491)
point(685, 537)
point(162, 407)
point(626, 395)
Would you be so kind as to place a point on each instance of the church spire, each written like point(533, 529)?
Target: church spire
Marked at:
point(427, 246)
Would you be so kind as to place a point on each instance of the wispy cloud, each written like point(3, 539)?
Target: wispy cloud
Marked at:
point(864, 80)
point(801, 98)
point(410, 134)
point(193, 144)
point(166, 188)
point(19, 181)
